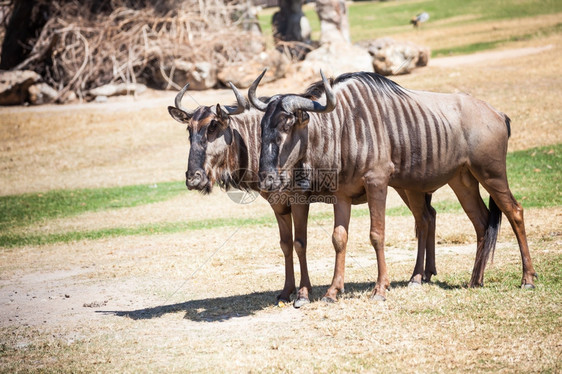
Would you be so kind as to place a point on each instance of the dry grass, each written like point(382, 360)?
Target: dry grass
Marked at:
point(158, 318)
point(186, 302)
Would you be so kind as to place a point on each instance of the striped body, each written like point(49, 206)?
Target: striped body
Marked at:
point(417, 140)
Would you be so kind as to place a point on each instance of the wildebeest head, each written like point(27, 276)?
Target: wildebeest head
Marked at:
point(209, 136)
point(284, 132)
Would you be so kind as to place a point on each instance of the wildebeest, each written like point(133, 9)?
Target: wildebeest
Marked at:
point(224, 148)
point(377, 134)
point(225, 144)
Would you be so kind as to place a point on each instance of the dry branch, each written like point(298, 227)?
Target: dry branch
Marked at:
point(79, 49)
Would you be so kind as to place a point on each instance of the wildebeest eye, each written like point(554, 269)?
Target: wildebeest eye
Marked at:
point(287, 124)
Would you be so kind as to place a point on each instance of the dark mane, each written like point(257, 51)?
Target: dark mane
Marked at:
point(316, 89)
point(385, 85)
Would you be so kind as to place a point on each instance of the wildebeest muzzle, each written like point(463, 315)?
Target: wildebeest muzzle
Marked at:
point(196, 179)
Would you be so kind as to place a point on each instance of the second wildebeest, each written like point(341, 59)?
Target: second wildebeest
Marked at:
point(377, 134)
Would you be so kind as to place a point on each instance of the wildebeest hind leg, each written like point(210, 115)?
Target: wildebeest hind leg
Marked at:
point(417, 204)
point(467, 190)
point(496, 184)
point(431, 216)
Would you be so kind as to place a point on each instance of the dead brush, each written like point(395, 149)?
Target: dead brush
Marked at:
point(80, 48)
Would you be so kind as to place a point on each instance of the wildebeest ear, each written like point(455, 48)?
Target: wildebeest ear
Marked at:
point(302, 118)
point(179, 115)
point(228, 136)
point(222, 116)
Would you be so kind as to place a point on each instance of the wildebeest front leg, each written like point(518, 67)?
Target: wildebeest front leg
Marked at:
point(342, 213)
point(284, 222)
point(300, 219)
point(376, 198)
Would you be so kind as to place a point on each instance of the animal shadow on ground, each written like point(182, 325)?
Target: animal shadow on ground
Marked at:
point(229, 307)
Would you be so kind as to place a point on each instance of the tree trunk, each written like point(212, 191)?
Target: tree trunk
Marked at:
point(290, 25)
point(26, 21)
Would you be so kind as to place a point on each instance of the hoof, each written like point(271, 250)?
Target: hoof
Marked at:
point(378, 297)
point(328, 300)
point(427, 278)
point(301, 302)
point(282, 303)
point(414, 284)
point(528, 286)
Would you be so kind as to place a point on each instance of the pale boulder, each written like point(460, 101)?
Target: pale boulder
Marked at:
point(335, 59)
point(391, 57)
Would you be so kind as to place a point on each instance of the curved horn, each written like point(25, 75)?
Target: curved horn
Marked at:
point(293, 103)
point(257, 103)
point(242, 103)
point(179, 96)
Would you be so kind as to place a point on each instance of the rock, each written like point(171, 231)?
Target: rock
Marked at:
point(42, 93)
point(392, 57)
point(14, 86)
point(68, 97)
point(334, 26)
point(199, 75)
point(335, 59)
point(243, 74)
point(117, 89)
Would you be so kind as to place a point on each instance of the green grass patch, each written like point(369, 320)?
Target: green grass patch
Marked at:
point(369, 20)
point(534, 176)
point(22, 210)
point(373, 19)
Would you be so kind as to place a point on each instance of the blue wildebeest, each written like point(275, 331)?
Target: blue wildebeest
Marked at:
point(225, 144)
point(224, 148)
point(377, 134)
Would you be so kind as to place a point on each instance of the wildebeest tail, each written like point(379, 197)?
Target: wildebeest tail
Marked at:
point(490, 239)
point(508, 124)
